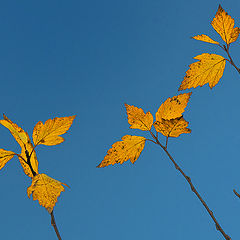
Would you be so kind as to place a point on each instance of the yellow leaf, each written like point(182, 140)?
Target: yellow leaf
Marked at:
point(209, 69)
point(129, 148)
point(205, 38)
point(224, 26)
point(138, 119)
point(5, 156)
point(49, 132)
point(173, 107)
point(24, 141)
point(46, 190)
point(173, 127)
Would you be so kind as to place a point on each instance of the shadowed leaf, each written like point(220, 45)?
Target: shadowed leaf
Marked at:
point(173, 127)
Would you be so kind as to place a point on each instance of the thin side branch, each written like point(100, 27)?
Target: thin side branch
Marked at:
point(226, 49)
point(53, 222)
point(188, 179)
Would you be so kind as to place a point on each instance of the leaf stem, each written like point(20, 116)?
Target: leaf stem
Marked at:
point(188, 179)
point(53, 222)
point(226, 49)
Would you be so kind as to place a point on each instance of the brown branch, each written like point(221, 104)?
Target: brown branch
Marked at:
point(53, 222)
point(226, 49)
point(188, 179)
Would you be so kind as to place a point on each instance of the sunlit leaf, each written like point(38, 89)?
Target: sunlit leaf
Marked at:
point(224, 26)
point(138, 119)
point(205, 38)
point(26, 146)
point(5, 156)
point(129, 148)
point(173, 107)
point(46, 190)
point(173, 127)
point(49, 132)
point(209, 69)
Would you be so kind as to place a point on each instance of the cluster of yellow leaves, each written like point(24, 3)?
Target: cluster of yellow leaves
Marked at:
point(169, 122)
point(44, 189)
point(210, 67)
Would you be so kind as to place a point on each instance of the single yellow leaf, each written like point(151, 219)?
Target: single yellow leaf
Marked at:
point(224, 26)
point(173, 127)
point(5, 156)
point(138, 119)
point(209, 69)
point(205, 38)
point(25, 143)
point(49, 132)
point(173, 107)
point(18, 133)
point(129, 148)
point(46, 190)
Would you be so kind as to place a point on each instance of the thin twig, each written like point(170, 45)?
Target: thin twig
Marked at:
point(53, 222)
point(188, 179)
point(236, 193)
point(166, 142)
point(226, 49)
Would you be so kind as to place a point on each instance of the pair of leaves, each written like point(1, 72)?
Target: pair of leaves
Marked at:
point(169, 122)
point(210, 67)
point(44, 189)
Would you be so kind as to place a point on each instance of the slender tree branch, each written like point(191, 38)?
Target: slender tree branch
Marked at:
point(236, 193)
point(226, 49)
point(53, 222)
point(166, 142)
point(188, 179)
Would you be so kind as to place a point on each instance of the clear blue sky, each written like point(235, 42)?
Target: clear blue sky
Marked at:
point(61, 58)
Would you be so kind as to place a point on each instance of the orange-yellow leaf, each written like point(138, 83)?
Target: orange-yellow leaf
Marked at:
point(5, 156)
point(24, 141)
point(129, 148)
point(138, 119)
point(205, 38)
point(173, 127)
point(46, 190)
point(49, 132)
point(224, 26)
point(173, 107)
point(209, 69)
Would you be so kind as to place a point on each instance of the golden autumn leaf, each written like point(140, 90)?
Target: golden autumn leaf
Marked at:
point(129, 148)
point(209, 69)
point(173, 107)
point(205, 38)
point(173, 127)
point(23, 140)
point(46, 190)
point(224, 26)
point(5, 156)
point(138, 119)
point(49, 132)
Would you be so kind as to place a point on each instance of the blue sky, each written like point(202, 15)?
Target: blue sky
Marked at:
point(61, 58)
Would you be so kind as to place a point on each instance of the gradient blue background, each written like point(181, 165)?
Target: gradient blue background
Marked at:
point(61, 58)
